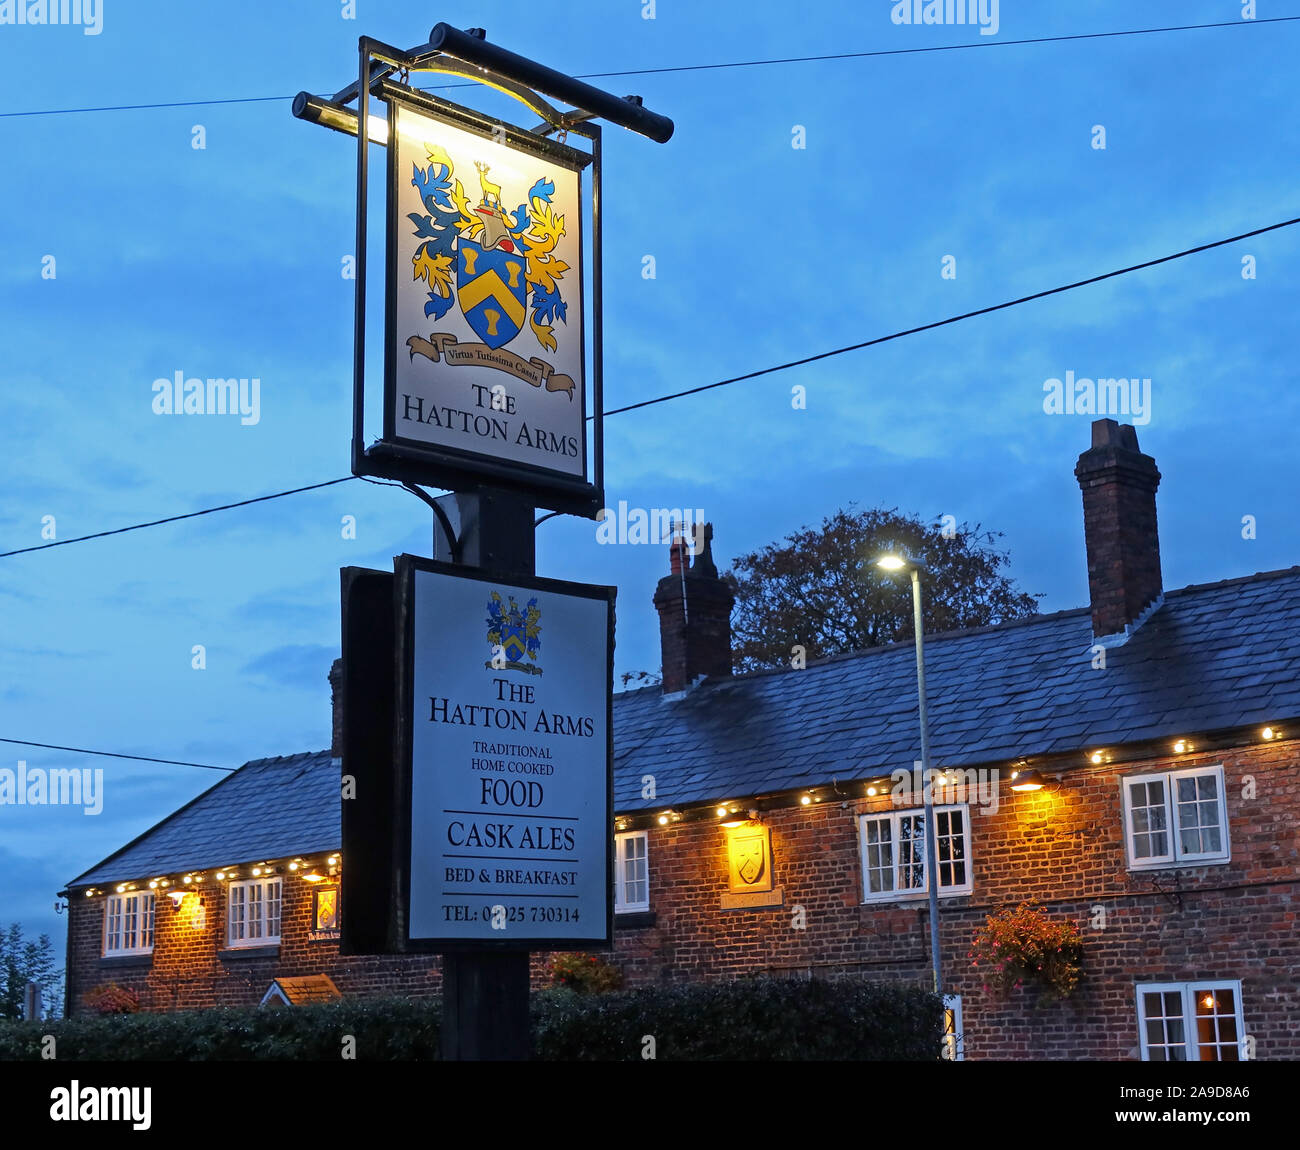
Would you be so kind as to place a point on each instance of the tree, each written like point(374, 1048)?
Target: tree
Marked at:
point(21, 962)
point(820, 590)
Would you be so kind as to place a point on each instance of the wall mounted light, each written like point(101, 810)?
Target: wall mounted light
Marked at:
point(1025, 781)
point(1181, 747)
point(1271, 733)
point(178, 897)
point(739, 819)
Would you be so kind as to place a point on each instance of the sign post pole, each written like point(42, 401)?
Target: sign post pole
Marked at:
point(480, 844)
point(485, 992)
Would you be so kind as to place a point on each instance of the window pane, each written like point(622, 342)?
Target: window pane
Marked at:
point(1147, 811)
point(950, 843)
point(911, 852)
point(255, 912)
point(113, 935)
point(879, 855)
point(1216, 1025)
point(273, 889)
point(1164, 1026)
point(1199, 831)
point(631, 870)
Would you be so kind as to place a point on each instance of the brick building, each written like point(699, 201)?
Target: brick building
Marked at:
point(1160, 729)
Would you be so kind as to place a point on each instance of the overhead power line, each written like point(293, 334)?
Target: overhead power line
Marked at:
point(734, 379)
point(954, 318)
point(635, 406)
point(174, 518)
point(984, 43)
point(116, 755)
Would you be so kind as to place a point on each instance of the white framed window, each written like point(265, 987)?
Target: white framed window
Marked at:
point(631, 872)
point(954, 1042)
point(893, 852)
point(253, 912)
point(1178, 818)
point(128, 923)
point(1191, 1021)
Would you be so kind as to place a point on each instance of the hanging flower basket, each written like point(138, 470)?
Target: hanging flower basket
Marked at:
point(1024, 946)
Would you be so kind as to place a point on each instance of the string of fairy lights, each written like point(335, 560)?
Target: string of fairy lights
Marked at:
point(313, 869)
point(1024, 774)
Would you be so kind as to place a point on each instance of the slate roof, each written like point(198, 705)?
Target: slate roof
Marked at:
point(1212, 657)
point(269, 808)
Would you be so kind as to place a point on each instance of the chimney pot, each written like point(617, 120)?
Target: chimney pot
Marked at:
point(1119, 521)
point(694, 607)
point(336, 699)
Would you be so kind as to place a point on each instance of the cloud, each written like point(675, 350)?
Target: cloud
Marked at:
point(301, 665)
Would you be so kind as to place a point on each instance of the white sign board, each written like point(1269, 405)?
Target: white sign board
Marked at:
point(510, 834)
point(485, 312)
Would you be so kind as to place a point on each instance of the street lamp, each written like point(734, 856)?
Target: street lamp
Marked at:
point(893, 563)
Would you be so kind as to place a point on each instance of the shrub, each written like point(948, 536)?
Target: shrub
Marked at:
point(585, 973)
point(751, 1019)
point(760, 1019)
point(1024, 944)
point(112, 999)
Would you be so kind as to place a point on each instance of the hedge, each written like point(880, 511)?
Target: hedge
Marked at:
point(752, 1019)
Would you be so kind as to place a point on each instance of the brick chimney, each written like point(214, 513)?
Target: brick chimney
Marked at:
point(336, 700)
point(1119, 523)
point(694, 607)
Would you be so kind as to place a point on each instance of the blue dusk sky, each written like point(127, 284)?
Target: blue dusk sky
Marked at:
point(225, 261)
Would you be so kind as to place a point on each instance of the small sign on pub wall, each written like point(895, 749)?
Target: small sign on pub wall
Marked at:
point(505, 768)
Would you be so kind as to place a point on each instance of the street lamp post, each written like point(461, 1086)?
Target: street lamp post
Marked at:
point(896, 563)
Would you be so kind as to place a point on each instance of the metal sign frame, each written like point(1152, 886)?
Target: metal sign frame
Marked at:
point(411, 462)
point(399, 940)
point(450, 460)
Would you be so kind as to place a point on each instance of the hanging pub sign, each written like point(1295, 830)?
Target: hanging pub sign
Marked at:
point(503, 788)
point(485, 317)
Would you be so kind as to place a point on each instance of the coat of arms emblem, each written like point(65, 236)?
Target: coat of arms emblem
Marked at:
point(750, 857)
point(514, 633)
point(499, 265)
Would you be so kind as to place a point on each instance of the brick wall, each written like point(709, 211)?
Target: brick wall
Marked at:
point(1063, 847)
point(191, 967)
